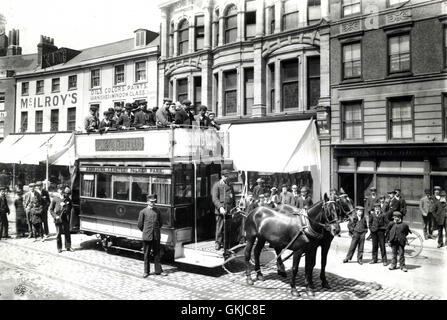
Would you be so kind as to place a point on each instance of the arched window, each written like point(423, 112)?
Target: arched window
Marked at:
point(231, 24)
point(183, 37)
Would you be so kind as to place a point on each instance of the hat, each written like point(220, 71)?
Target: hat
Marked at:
point(397, 189)
point(294, 186)
point(259, 180)
point(284, 186)
point(225, 172)
point(94, 107)
point(186, 102)
point(203, 108)
point(273, 188)
point(142, 103)
point(31, 185)
point(304, 189)
point(167, 100)
point(377, 204)
point(443, 194)
point(211, 113)
point(151, 197)
point(427, 191)
point(373, 189)
point(437, 188)
point(38, 183)
point(359, 208)
point(397, 214)
point(392, 191)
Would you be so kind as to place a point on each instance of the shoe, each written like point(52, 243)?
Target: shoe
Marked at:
point(373, 261)
point(404, 269)
point(59, 250)
point(440, 245)
point(47, 236)
point(425, 237)
point(43, 239)
point(30, 236)
point(345, 260)
point(70, 249)
point(360, 262)
point(385, 263)
point(218, 246)
point(392, 267)
point(145, 275)
point(162, 274)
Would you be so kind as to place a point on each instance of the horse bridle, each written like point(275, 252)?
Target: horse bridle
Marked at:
point(345, 213)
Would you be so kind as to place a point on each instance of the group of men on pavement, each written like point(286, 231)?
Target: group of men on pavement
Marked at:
point(433, 208)
point(138, 116)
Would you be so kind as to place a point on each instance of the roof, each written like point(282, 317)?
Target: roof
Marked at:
point(19, 63)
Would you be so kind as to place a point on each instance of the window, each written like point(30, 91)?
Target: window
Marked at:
point(445, 47)
point(250, 24)
point(104, 185)
point(313, 81)
point(401, 118)
point(55, 85)
point(197, 91)
point(2, 101)
point(289, 77)
point(25, 88)
point(140, 38)
point(119, 74)
point(87, 185)
point(141, 187)
point(182, 90)
point(444, 113)
point(352, 120)
point(290, 15)
point(39, 87)
point(272, 21)
point(121, 187)
point(95, 78)
point(162, 188)
point(39, 121)
point(350, 7)
point(313, 11)
point(199, 32)
point(230, 94)
point(352, 63)
point(272, 86)
point(118, 104)
point(231, 24)
point(216, 28)
point(71, 119)
point(54, 120)
point(399, 53)
point(249, 92)
point(183, 37)
point(183, 177)
point(171, 40)
point(140, 71)
point(72, 82)
point(395, 2)
point(24, 121)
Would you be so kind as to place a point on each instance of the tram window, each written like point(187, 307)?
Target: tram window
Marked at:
point(121, 186)
point(140, 189)
point(183, 186)
point(162, 188)
point(88, 185)
point(104, 186)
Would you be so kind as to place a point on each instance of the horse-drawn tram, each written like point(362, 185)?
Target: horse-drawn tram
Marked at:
point(119, 169)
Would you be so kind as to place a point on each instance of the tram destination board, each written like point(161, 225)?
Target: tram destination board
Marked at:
point(123, 144)
point(127, 170)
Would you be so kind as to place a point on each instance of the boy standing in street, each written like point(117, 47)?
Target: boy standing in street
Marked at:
point(357, 229)
point(377, 226)
point(397, 232)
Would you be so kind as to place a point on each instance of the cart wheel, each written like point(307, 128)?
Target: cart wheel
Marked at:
point(415, 244)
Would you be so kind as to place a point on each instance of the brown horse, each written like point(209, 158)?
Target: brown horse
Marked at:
point(282, 229)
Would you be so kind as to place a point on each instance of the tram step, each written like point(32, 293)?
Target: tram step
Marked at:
point(201, 258)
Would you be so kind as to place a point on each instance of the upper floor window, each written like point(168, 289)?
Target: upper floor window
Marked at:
point(183, 37)
point(313, 81)
point(140, 38)
point(399, 53)
point(290, 15)
point(231, 24)
point(2, 101)
point(39, 87)
point(39, 121)
point(313, 11)
point(24, 121)
point(55, 85)
point(289, 84)
point(230, 92)
point(250, 24)
point(140, 71)
point(95, 78)
point(119, 74)
point(197, 92)
point(71, 119)
point(445, 47)
point(249, 90)
point(25, 88)
point(72, 82)
point(400, 118)
point(199, 32)
point(352, 120)
point(171, 40)
point(352, 61)
point(350, 7)
point(272, 19)
point(395, 2)
point(182, 89)
point(54, 120)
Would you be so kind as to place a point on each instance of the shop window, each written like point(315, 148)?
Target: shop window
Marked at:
point(54, 120)
point(313, 11)
point(71, 119)
point(313, 81)
point(272, 86)
point(399, 53)
point(55, 85)
point(162, 188)
point(389, 166)
point(87, 185)
point(104, 185)
point(121, 186)
point(119, 74)
point(413, 166)
point(352, 60)
point(350, 7)
point(140, 71)
point(72, 82)
point(290, 91)
point(230, 94)
point(411, 186)
point(39, 87)
point(199, 32)
point(290, 15)
point(95, 78)
point(249, 91)
point(182, 90)
point(140, 189)
point(39, 121)
point(197, 92)
point(25, 88)
point(231, 24)
point(24, 121)
point(183, 37)
point(400, 118)
point(250, 24)
point(352, 120)
point(346, 164)
point(439, 164)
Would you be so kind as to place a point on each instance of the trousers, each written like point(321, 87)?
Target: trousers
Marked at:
point(441, 229)
point(37, 230)
point(223, 226)
point(63, 229)
point(357, 242)
point(4, 225)
point(45, 221)
point(378, 241)
point(28, 221)
point(398, 252)
point(428, 224)
point(155, 246)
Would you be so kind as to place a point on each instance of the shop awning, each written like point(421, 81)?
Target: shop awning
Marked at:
point(34, 148)
point(277, 147)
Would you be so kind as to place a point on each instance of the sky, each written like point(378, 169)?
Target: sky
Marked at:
point(78, 24)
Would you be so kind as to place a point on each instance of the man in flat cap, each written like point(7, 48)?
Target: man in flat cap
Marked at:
point(107, 123)
point(440, 217)
point(393, 205)
point(36, 210)
point(397, 232)
point(125, 119)
point(357, 229)
point(91, 122)
point(370, 201)
point(60, 210)
point(285, 197)
point(149, 222)
point(162, 116)
point(259, 188)
point(4, 212)
point(201, 119)
point(377, 225)
point(41, 187)
point(189, 112)
point(426, 206)
point(213, 123)
point(140, 120)
point(295, 195)
point(402, 203)
point(304, 200)
point(224, 200)
point(436, 193)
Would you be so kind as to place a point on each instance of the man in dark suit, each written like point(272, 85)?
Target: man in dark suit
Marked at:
point(149, 222)
point(370, 201)
point(402, 202)
point(440, 217)
point(60, 209)
point(304, 201)
point(42, 188)
point(357, 229)
point(4, 212)
point(295, 195)
point(397, 232)
point(285, 197)
point(377, 225)
point(259, 188)
point(393, 205)
point(201, 119)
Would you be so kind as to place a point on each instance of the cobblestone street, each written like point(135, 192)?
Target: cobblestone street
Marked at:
point(34, 270)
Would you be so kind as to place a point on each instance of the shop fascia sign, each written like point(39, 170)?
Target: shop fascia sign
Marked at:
point(48, 101)
point(120, 91)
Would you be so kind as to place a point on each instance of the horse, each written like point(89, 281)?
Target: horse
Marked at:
point(322, 230)
point(282, 228)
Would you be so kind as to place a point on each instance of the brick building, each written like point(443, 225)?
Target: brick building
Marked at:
point(388, 97)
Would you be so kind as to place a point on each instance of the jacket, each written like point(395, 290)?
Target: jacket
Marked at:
point(440, 213)
point(149, 222)
point(370, 202)
point(393, 205)
point(46, 200)
point(304, 202)
point(426, 205)
point(402, 205)
point(258, 190)
point(4, 208)
point(162, 117)
point(215, 124)
point(91, 123)
point(295, 198)
point(150, 118)
point(285, 198)
point(181, 117)
point(106, 124)
point(358, 226)
point(124, 120)
point(36, 207)
point(140, 119)
point(397, 233)
point(223, 196)
point(27, 201)
point(190, 119)
point(377, 222)
point(60, 209)
point(202, 122)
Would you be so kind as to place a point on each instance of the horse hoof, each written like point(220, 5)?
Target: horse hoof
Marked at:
point(295, 293)
point(326, 285)
point(282, 274)
point(260, 277)
point(250, 282)
point(310, 292)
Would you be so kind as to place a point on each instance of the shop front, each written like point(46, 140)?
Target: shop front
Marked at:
point(411, 168)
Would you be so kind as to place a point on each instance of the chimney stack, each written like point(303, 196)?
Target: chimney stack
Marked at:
point(14, 49)
point(45, 46)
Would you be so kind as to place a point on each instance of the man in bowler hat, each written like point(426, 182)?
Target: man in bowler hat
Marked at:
point(60, 209)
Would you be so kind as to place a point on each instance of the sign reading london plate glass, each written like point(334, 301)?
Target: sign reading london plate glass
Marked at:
point(123, 144)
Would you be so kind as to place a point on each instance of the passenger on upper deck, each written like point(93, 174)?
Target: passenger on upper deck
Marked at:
point(107, 123)
point(201, 119)
point(190, 114)
point(91, 122)
point(124, 120)
point(181, 117)
point(213, 123)
point(150, 117)
point(162, 116)
point(140, 121)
